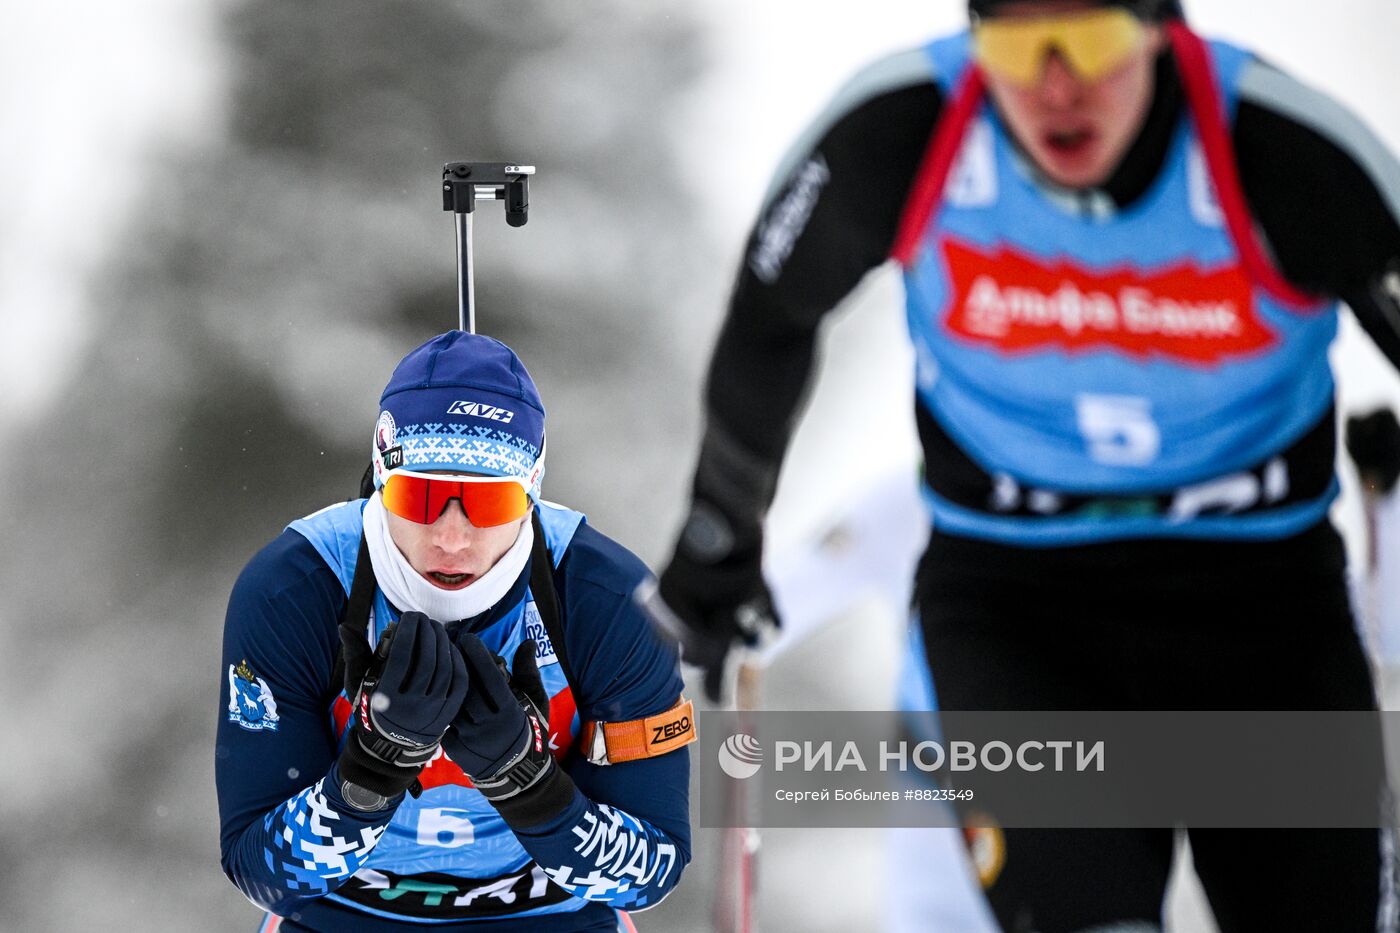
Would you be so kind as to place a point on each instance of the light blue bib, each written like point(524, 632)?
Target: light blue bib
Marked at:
point(1118, 354)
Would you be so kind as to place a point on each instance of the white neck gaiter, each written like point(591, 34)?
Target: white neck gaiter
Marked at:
point(407, 589)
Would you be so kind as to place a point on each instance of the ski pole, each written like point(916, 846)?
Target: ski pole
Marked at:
point(462, 184)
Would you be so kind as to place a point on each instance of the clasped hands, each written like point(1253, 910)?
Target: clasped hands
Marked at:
point(419, 689)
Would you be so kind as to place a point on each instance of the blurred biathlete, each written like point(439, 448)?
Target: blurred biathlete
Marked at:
point(1123, 250)
point(379, 765)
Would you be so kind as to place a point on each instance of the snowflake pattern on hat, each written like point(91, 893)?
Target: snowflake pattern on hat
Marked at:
point(468, 448)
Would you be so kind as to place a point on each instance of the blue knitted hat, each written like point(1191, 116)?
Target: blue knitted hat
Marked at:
point(462, 403)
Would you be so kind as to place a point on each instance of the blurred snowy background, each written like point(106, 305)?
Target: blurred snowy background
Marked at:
point(222, 228)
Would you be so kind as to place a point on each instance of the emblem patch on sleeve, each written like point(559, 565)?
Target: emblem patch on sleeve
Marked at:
point(250, 702)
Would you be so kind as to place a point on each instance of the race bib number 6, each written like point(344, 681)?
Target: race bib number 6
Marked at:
point(444, 827)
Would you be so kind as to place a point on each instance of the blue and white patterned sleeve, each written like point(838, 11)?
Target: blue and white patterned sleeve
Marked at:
point(629, 854)
point(286, 833)
point(305, 848)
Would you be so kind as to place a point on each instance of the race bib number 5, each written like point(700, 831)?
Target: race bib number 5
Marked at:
point(1118, 429)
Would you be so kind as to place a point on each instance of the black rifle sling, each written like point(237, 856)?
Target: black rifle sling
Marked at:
point(547, 596)
point(354, 624)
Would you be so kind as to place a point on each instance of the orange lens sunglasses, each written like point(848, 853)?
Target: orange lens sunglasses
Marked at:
point(487, 500)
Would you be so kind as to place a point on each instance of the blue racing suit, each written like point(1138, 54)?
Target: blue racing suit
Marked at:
point(445, 858)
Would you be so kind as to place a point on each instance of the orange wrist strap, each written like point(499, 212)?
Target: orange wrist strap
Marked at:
point(610, 743)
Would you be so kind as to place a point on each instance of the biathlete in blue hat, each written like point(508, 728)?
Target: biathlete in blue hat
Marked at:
point(1123, 251)
point(440, 705)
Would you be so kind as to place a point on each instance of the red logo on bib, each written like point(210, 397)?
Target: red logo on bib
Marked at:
point(1016, 303)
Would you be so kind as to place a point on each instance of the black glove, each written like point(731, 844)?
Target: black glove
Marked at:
point(409, 689)
point(715, 591)
point(500, 737)
point(1373, 440)
point(712, 595)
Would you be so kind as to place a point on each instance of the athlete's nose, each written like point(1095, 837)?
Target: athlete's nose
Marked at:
point(453, 531)
point(1059, 86)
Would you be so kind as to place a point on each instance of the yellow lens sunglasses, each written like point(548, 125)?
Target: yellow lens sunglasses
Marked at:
point(1093, 42)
